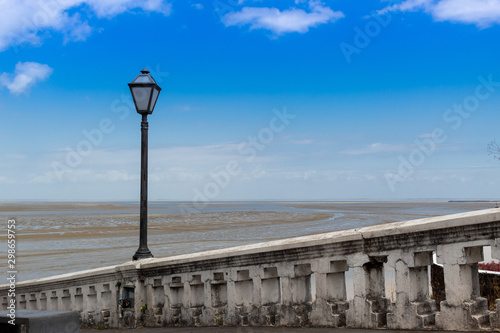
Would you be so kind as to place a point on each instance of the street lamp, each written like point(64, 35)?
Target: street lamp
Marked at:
point(145, 93)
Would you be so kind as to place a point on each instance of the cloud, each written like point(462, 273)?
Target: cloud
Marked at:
point(198, 6)
point(177, 163)
point(408, 5)
point(75, 29)
point(482, 13)
point(5, 180)
point(26, 75)
point(110, 8)
point(374, 148)
point(281, 22)
point(428, 135)
point(28, 21)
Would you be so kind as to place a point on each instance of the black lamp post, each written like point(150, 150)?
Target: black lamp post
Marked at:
point(145, 93)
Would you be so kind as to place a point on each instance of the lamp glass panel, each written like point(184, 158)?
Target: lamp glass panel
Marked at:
point(154, 99)
point(143, 79)
point(141, 97)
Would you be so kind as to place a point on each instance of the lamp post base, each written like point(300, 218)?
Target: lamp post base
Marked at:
point(142, 254)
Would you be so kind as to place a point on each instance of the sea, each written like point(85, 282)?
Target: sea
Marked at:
point(55, 238)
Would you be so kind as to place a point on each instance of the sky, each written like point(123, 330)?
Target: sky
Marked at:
point(260, 100)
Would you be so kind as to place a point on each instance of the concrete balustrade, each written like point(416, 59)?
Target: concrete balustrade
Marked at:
point(293, 282)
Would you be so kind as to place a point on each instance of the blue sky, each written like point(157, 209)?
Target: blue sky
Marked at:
point(297, 100)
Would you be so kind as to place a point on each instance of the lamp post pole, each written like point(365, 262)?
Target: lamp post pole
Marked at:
point(145, 93)
point(143, 251)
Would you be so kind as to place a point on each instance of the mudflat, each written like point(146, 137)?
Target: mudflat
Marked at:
point(60, 207)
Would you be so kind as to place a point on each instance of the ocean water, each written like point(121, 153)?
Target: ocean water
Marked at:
point(58, 238)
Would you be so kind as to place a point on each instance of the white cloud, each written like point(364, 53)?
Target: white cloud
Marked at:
point(428, 135)
point(25, 76)
point(375, 148)
point(110, 8)
point(26, 21)
point(281, 22)
point(75, 29)
point(180, 163)
point(197, 6)
point(5, 180)
point(407, 6)
point(482, 13)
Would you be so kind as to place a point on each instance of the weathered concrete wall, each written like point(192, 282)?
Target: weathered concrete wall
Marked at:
point(293, 282)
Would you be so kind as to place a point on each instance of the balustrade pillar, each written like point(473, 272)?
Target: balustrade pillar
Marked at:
point(463, 308)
